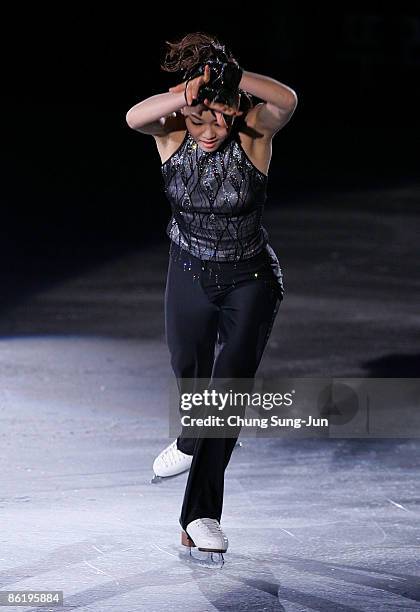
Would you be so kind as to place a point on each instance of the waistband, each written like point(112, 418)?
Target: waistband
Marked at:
point(229, 274)
point(252, 263)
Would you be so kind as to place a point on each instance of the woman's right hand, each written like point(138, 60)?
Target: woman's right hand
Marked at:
point(191, 87)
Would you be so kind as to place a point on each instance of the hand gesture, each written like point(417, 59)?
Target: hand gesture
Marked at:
point(191, 89)
point(221, 110)
point(193, 85)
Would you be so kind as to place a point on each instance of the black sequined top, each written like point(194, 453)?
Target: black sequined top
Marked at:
point(217, 200)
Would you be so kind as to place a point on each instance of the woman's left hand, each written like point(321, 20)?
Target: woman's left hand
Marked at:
point(222, 110)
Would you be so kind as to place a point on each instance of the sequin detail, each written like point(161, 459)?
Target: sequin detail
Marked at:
point(217, 200)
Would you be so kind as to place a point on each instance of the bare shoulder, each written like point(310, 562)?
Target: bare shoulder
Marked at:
point(171, 137)
point(256, 143)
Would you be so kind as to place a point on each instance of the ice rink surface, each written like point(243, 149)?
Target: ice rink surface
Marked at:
point(313, 524)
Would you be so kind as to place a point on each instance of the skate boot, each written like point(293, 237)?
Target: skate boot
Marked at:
point(207, 535)
point(170, 462)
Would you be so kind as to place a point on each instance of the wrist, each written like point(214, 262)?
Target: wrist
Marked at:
point(185, 91)
point(178, 100)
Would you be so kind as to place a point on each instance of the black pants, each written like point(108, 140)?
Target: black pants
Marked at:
point(213, 331)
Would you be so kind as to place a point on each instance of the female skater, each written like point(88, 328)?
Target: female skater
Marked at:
point(224, 282)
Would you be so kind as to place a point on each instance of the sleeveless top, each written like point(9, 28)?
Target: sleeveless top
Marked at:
point(217, 200)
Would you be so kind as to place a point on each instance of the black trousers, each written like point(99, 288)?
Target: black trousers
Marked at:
point(213, 331)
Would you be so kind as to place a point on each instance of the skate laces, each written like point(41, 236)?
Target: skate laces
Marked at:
point(213, 526)
point(171, 454)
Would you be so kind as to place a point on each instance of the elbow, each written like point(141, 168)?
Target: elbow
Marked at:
point(293, 100)
point(134, 119)
point(130, 122)
point(287, 100)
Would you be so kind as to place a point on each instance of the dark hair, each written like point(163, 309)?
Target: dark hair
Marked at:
point(196, 48)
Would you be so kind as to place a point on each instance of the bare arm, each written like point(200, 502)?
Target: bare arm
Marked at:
point(156, 114)
point(280, 101)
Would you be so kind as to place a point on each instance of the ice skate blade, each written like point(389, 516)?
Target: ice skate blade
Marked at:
point(158, 479)
point(209, 560)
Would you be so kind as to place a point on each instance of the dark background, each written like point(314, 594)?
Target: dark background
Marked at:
point(79, 182)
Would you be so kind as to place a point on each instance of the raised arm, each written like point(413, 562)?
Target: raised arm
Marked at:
point(280, 102)
point(156, 115)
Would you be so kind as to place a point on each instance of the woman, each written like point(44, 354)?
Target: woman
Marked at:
point(224, 283)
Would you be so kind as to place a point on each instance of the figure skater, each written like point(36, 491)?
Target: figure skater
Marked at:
point(224, 282)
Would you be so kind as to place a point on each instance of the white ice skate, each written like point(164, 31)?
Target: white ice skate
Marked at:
point(206, 535)
point(170, 462)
